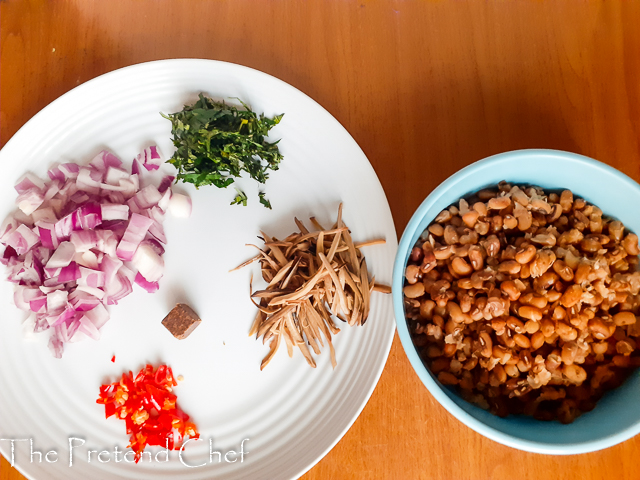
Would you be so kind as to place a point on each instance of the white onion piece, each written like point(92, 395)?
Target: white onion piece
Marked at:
point(20, 217)
point(47, 290)
point(128, 270)
point(56, 346)
point(57, 300)
point(86, 183)
point(88, 328)
point(83, 301)
point(180, 206)
point(8, 225)
point(62, 256)
point(96, 292)
point(47, 233)
point(114, 175)
point(29, 200)
point(133, 235)
point(119, 288)
point(87, 259)
point(84, 240)
point(44, 215)
point(166, 198)
point(149, 264)
point(104, 160)
point(28, 327)
point(148, 197)
point(28, 181)
point(91, 278)
point(148, 286)
point(22, 239)
point(150, 158)
point(112, 211)
point(98, 315)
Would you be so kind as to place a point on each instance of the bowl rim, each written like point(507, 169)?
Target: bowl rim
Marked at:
point(421, 370)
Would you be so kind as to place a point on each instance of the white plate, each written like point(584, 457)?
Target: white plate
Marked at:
point(291, 414)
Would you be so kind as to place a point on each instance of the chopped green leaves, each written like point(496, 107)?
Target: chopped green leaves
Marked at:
point(216, 142)
point(264, 201)
point(241, 198)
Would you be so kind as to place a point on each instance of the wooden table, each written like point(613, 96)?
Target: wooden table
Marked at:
point(425, 88)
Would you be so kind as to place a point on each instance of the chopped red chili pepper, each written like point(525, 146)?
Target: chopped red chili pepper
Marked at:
point(148, 407)
point(113, 359)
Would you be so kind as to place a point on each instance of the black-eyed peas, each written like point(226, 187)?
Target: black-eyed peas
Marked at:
point(526, 302)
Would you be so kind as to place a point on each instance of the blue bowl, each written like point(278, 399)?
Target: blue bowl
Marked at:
point(617, 415)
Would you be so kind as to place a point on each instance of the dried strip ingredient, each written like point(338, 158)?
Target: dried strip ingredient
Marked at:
point(311, 275)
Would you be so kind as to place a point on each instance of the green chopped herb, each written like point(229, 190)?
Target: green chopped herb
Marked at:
point(215, 142)
point(264, 201)
point(241, 198)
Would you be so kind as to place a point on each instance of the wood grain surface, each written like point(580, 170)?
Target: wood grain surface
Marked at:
point(425, 88)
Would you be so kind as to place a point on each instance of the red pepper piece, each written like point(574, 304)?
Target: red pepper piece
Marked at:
point(148, 407)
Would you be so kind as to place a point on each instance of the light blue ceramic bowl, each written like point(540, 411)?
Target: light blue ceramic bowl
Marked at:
point(617, 415)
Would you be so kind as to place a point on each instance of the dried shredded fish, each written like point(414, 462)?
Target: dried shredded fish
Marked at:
point(311, 275)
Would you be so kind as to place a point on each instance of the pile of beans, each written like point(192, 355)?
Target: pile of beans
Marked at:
point(527, 302)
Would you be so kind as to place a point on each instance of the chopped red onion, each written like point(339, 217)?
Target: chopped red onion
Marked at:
point(22, 239)
point(114, 175)
point(104, 160)
point(88, 328)
point(133, 235)
point(154, 244)
point(56, 301)
point(69, 273)
point(55, 345)
point(98, 315)
point(67, 314)
point(62, 256)
point(148, 263)
point(148, 197)
point(111, 211)
point(85, 181)
point(119, 288)
point(27, 182)
point(83, 301)
point(29, 200)
point(148, 286)
point(47, 215)
point(79, 241)
point(165, 184)
point(150, 158)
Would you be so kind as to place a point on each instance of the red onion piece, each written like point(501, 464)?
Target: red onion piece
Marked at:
point(111, 211)
point(119, 288)
point(104, 160)
point(166, 183)
point(69, 273)
point(148, 263)
point(148, 286)
point(89, 328)
point(150, 158)
point(29, 200)
point(133, 235)
point(154, 244)
point(62, 256)
point(29, 181)
point(55, 345)
point(22, 239)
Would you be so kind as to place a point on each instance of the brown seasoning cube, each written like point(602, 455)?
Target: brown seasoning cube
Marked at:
point(181, 321)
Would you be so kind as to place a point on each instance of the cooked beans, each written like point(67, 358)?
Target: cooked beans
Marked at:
point(526, 302)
